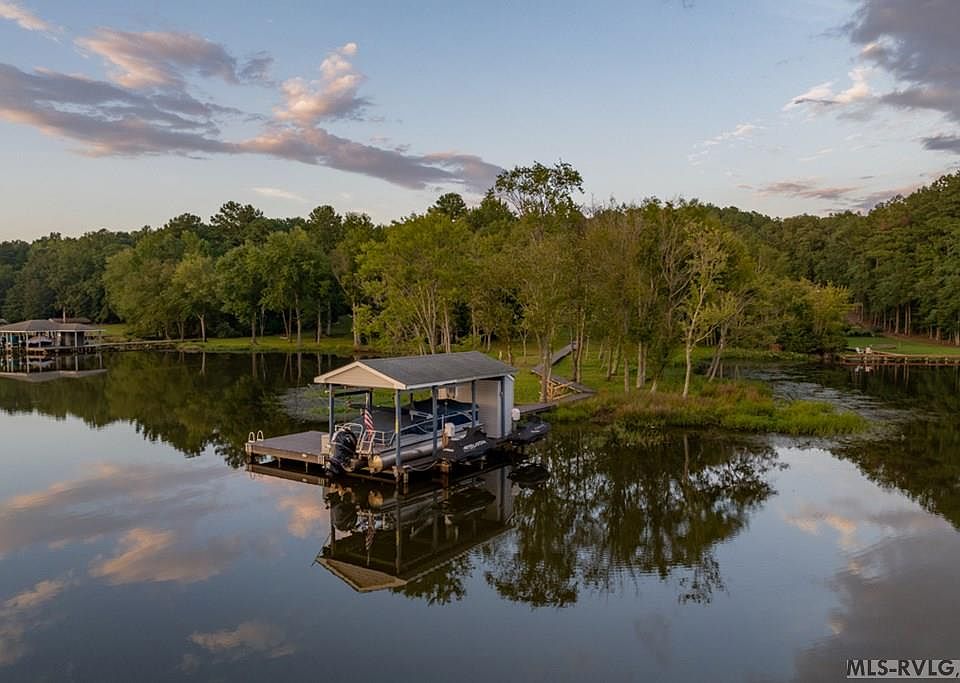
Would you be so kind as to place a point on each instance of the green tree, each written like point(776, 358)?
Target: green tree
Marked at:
point(240, 285)
point(546, 245)
point(195, 281)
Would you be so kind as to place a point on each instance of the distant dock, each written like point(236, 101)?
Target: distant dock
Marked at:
point(872, 359)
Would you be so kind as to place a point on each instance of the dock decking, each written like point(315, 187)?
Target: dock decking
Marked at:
point(306, 447)
point(883, 358)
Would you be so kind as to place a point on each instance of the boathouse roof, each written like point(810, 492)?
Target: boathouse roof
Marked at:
point(417, 372)
point(32, 326)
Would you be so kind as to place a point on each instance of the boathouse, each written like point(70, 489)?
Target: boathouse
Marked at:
point(470, 377)
point(447, 408)
point(48, 335)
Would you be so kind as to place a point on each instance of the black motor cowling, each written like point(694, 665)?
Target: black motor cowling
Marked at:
point(529, 475)
point(343, 449)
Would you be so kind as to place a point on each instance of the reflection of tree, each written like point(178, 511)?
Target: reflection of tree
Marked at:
point(190, 401)
point(443, 585)
point(610, 513)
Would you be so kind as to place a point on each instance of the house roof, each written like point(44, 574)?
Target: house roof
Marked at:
point(417, 372)
point(47, 326)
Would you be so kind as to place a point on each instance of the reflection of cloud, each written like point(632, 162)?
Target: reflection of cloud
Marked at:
point(653, 632)
point(152, 555)
point(42, 592)
point(109, 500)
point(846, 517)
point(306, 511)
point(898, 603)
point(250, 637)
point(18, 615)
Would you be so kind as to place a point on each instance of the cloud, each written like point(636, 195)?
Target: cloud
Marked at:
point(277, 193)
point(148, 110)
point(915, 42)
point(869, 201)
point(817, 155)
point(822, 97)
point(741, 131)
point(806, 188)
point(249, 637)
point(318, 146)
point(943, 143)
point(845, 196)
point(108, 119)
point(163, 59)
point(333, 96)
point(24, 18)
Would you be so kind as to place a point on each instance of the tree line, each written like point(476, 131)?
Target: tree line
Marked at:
point(529, 265)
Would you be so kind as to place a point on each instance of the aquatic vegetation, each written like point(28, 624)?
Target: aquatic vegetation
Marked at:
point(734, 405)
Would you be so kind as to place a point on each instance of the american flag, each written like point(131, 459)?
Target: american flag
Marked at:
point(369, 534)
point(367, 419)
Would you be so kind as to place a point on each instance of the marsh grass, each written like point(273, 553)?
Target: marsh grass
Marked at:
point(729, 404)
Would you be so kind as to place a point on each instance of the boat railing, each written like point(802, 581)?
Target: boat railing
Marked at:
point(372, 440)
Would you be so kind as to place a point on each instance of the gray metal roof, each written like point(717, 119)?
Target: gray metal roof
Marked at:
point(47, 326)
point(414, 372)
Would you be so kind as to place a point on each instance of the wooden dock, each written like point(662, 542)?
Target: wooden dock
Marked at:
point(306, 447)
point(536, 408)
point(886, 359)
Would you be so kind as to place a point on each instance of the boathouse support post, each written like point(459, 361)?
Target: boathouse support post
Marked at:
point(473, 403)
point(396, 431)
point(433, 409)
point(330, 407)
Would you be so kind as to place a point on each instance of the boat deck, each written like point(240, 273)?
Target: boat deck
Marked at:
point(309, 447)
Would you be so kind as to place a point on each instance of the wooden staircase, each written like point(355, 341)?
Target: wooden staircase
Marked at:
point(560, 388)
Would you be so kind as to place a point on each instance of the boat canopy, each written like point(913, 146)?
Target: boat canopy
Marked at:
point(408, 373)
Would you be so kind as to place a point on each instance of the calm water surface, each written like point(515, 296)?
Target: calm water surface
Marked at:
point(135, 546)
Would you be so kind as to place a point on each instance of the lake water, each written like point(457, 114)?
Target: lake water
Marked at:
point(134, 545)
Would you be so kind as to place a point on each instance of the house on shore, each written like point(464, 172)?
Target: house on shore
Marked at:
point(48, 335)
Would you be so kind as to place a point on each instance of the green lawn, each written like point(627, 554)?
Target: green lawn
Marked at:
point(909, 346)
point(337, 346)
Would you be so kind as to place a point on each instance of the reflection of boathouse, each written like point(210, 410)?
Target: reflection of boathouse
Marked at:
point(41, 337)
point(381, 537)
point(35, 369)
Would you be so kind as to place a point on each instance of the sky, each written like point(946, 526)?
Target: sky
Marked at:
point(119, 114)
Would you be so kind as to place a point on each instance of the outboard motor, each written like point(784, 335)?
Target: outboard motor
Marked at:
point(343, 510)
point(529, 475)
point(343, 449)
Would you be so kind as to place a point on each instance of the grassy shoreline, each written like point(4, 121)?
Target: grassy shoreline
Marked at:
point(904, 344)
point(732, 405)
